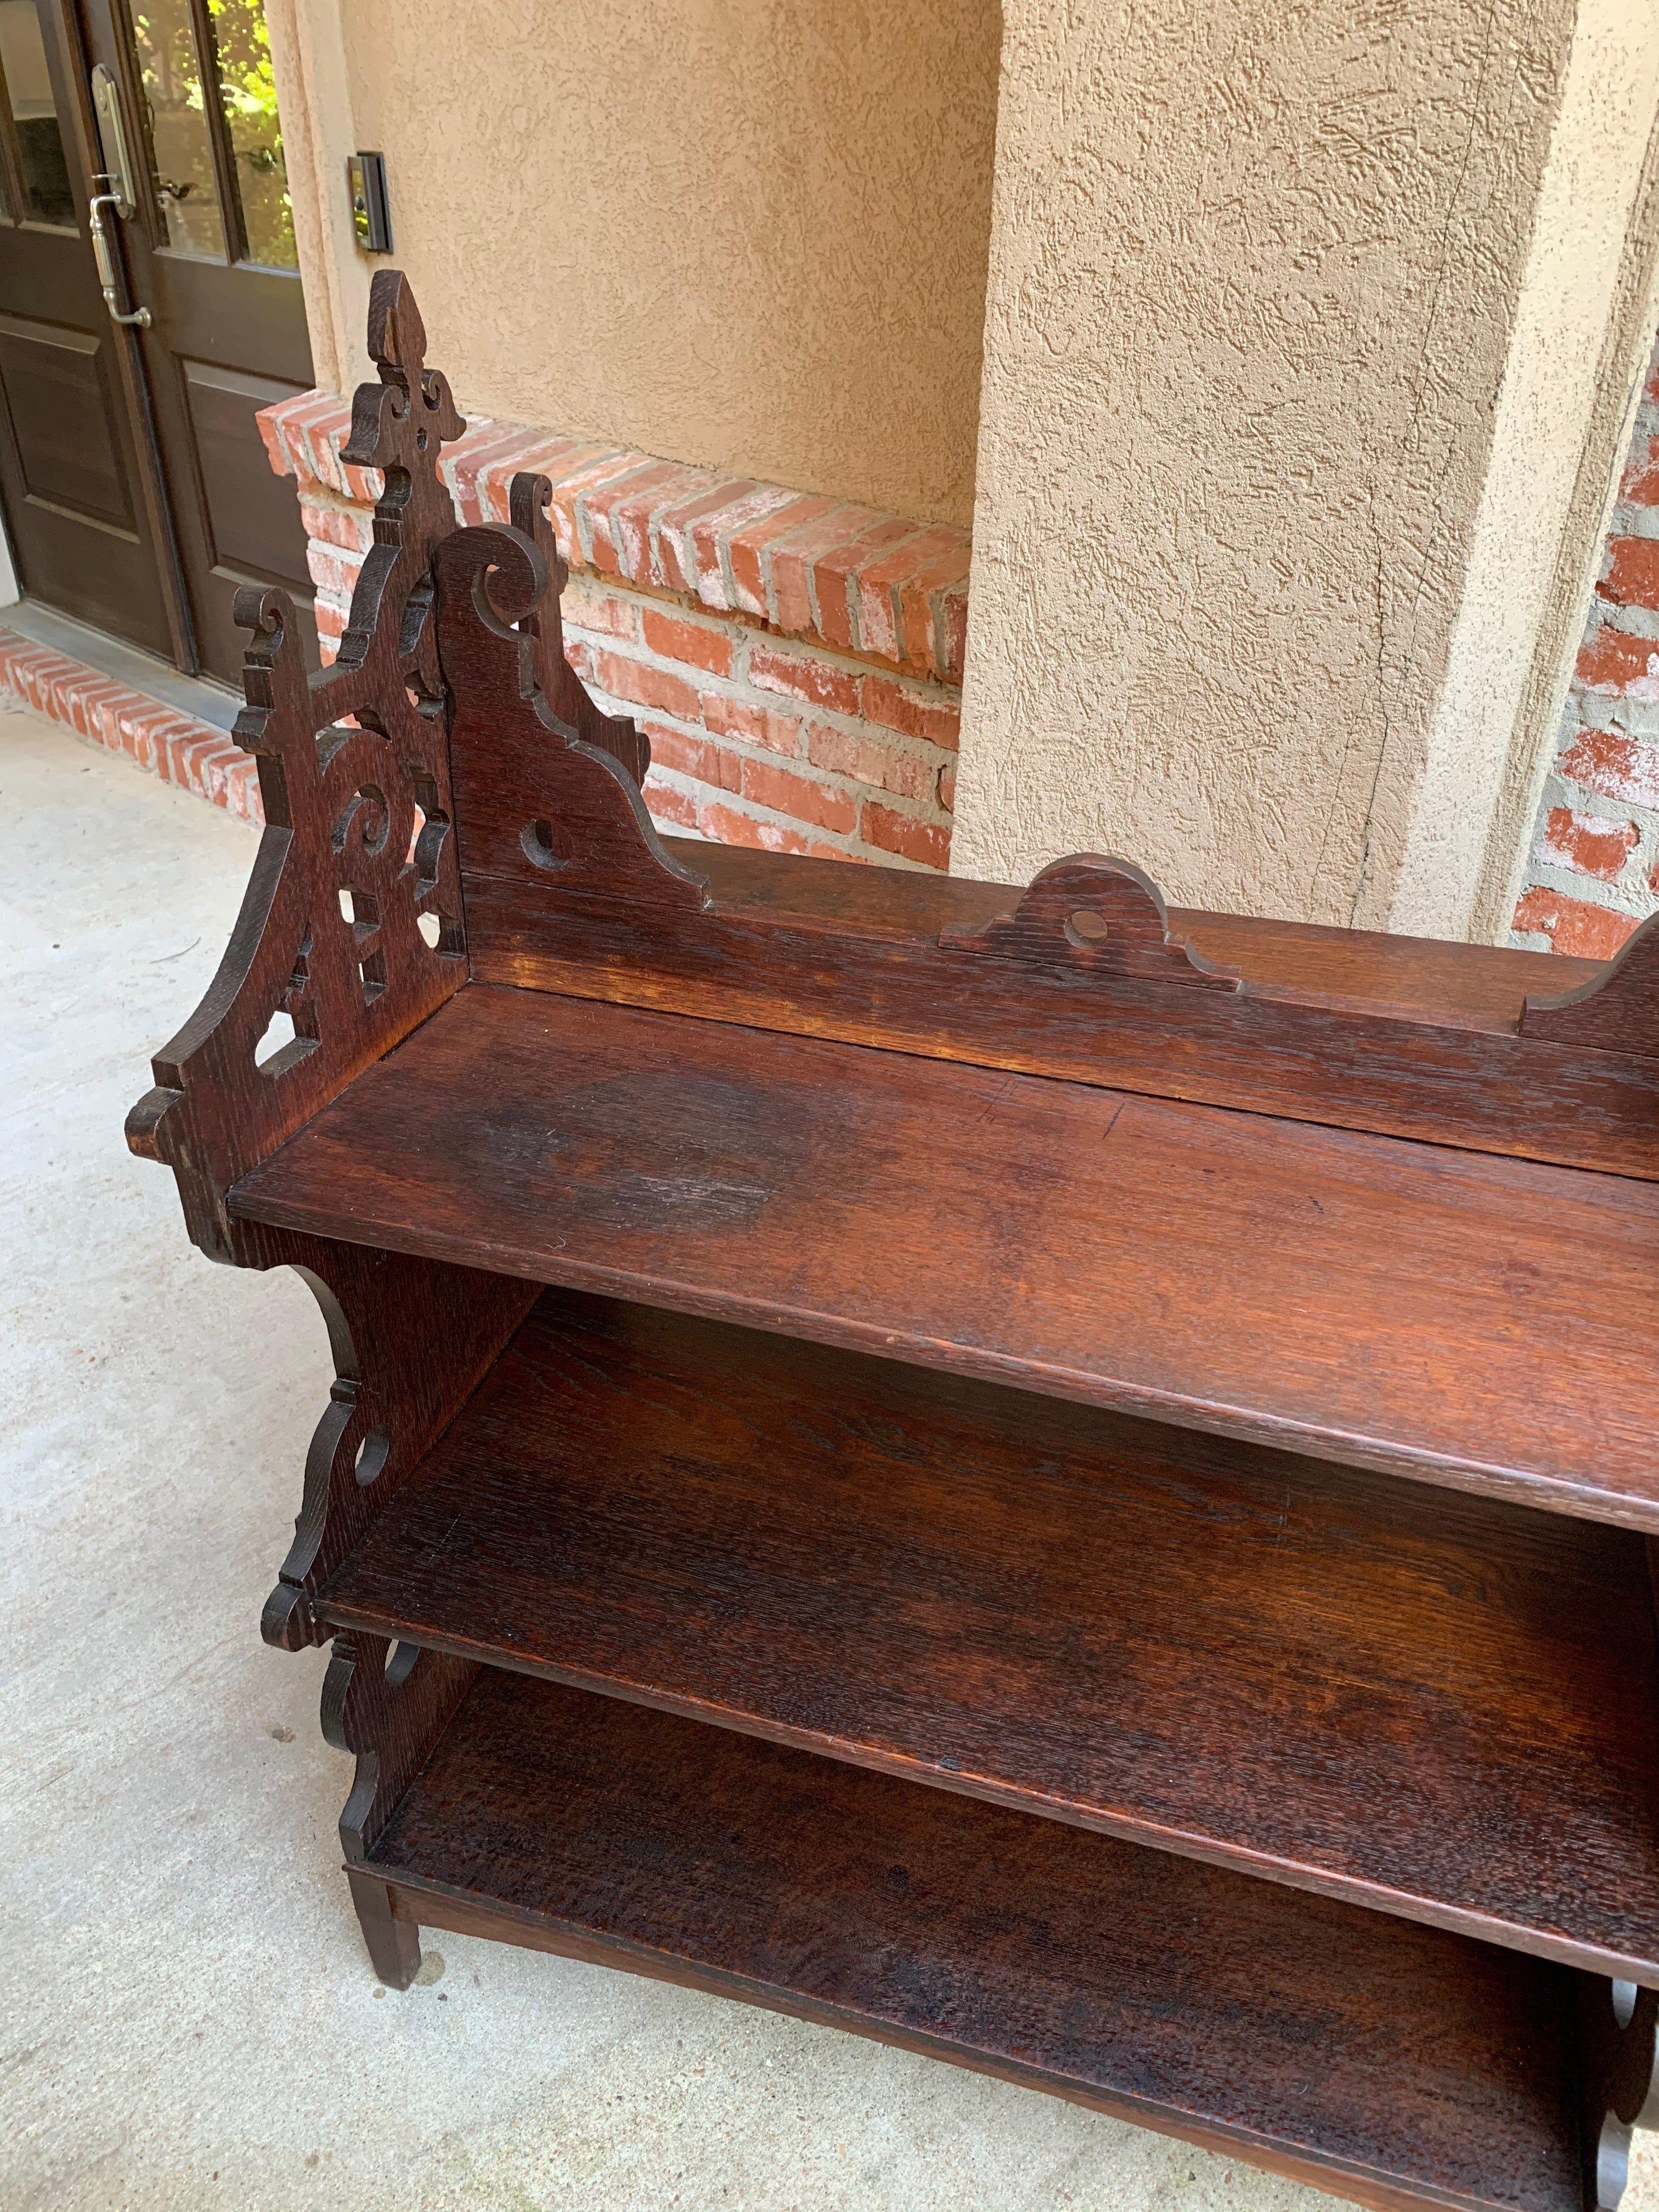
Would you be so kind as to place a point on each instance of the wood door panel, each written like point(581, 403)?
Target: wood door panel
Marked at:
point(237, 522)
point(59, 403)
point(248, 318)
point(252, 518)
point(82, 499)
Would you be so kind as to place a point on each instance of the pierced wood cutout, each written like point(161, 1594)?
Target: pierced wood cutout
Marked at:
point(1618, 1011)
point(1621, 2079)
point(1100, 915)
point(540, 802)
point(411, 1339)
point(351, 925)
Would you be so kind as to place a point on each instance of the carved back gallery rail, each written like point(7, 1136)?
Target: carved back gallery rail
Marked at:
point(1081, 1474)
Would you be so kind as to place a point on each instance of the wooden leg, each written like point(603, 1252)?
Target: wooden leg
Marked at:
point(394, 1946)
point(389, 1706)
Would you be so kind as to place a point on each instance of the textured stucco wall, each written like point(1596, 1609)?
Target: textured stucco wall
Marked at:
point(749, 234)
point(1577, 350)
point(1255, 274)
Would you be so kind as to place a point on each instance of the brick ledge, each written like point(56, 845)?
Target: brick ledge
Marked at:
point(877, 586)
point(163, 739)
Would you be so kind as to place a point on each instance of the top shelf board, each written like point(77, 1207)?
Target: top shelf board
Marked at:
point(1475, 1321)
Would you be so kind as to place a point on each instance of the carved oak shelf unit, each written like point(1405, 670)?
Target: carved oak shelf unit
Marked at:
point(1064, 1485)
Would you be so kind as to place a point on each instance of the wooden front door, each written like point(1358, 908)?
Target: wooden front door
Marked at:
point(208, 255)
point(83, 510)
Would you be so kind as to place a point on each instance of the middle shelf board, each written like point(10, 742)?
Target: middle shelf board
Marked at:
point(1484, 1323)
point(1445, 1706)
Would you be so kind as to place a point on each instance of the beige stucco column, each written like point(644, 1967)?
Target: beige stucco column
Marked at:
point(1309, 337)
point(314, 95)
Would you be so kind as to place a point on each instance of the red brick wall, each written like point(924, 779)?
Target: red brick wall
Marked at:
point(795, 659)
point(1592, 873)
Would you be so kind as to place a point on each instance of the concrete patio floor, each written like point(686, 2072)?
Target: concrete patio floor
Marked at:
point(191, 2020)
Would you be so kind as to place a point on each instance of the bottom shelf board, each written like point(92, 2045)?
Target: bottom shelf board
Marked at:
point(1386, 2061)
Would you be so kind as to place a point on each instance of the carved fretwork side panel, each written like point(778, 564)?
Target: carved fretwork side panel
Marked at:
point(352, 923)
point(411, 1340)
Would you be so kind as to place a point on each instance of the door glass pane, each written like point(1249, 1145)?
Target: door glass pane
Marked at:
point(249, 93)
point(46, 195)
point(180, 151)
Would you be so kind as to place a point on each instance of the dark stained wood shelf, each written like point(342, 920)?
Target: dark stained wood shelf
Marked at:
point(1401, 2064)
point(1478, 1321)
point(1227, 1652)
point(1134, 1427)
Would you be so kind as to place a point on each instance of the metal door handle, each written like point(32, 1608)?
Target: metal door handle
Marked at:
point(106, 260)
point(112, 138)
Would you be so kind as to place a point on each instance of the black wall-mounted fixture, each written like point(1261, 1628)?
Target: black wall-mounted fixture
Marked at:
point(371, 212)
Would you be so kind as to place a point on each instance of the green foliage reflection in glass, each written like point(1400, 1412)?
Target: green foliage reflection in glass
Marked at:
point(181, 150)
point(181, 153)
point(248, 90)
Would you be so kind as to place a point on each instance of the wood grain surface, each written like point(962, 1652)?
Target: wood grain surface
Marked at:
point(1231, 1652)
point(1407, 2064)
point(1480, 1322)
point(1478, 986)
point(569, 888)
point(1409, 1038)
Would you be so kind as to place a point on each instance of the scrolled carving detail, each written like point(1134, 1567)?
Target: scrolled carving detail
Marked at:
point(529, 498)
point(410, 1337)
point(352, 923)
point(1098, 916)
point(546, 783)
point(387, 1704)
point(1621, 2078)
point(334, 1510)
